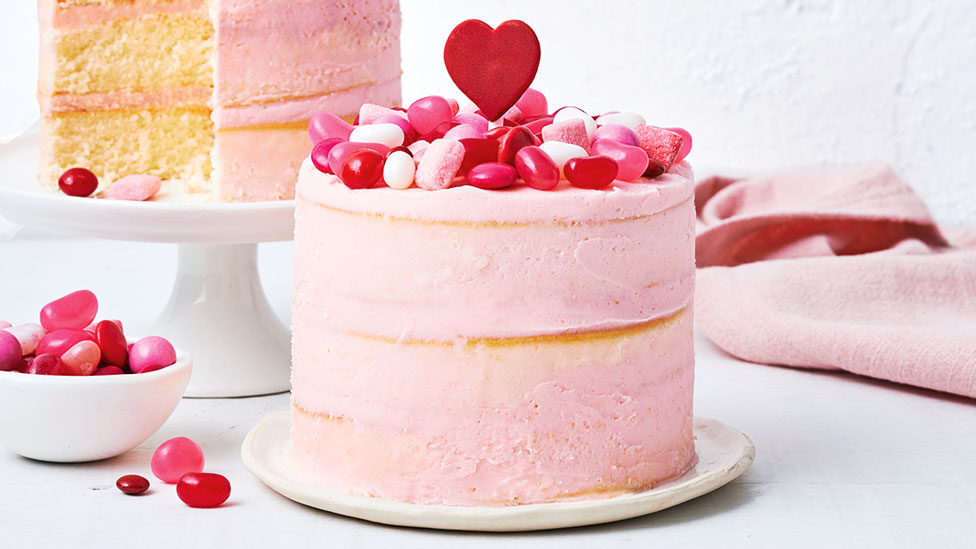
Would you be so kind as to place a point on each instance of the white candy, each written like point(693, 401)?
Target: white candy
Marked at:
point(29, 335)
point(399, 170)
point(562, 152)
point(386, 134)
point(629, 119)
point(569, 113)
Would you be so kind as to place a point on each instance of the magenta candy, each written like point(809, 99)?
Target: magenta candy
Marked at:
point(150, 354)
point(532, 103)
point(537, 168)
point(341, 151)
point(409, 134)
point(59, 341)
point(320, 154)
point(472, 119)
point(175, 458)
point(618, 133)
point(10, 352)
point(463, 131)
point(511, 142)
point(362, 169)
point(203, 490)
point(492, 175)
point(685, 143)
point(46, 364)
point(591, 172)
point(108, 371)
point(631, 161)
point(75, 310)
point(427, 113)
point(326, 125)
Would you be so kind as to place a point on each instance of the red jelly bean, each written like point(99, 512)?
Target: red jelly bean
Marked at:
point(75, 310)
point(320, 154)
point(512, 141)
point(362, 169)
point(654, 168)
point(497, 132)
point(203, 490)
point(492, 175)
point(537, 168)
point(112, 342)
point(108, 371)
point(341, 151)
point(132, 485)
point(477, 151)
point(78, 182)
point(47, 365)
point(591, 172)
point(59, 341)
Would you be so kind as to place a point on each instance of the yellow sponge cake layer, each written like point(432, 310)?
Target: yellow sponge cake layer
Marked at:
point(170, 143)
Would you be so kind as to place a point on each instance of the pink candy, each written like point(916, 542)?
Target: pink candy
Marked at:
point(492, 175)
point(150, 354)
point(685, 143)
point(10, 353)
point(572, 131)
point(429, 112)
point(59, 341)
point(616, 132)
point(175, 458)
point(29, 335)
point(46, 365)
point(439, 165)
point(326, 125)
point(471, 119)
point(75, 310)
point(82, 358)
point(464, 132)
point(369, 113)
point(631, 161)
point(136, 188)
point(532, 103)
point(320, 154)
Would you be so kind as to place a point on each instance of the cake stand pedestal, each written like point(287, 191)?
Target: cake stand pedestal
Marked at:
point(217, 309)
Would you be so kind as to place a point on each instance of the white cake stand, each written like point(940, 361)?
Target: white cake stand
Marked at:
point(217, 309)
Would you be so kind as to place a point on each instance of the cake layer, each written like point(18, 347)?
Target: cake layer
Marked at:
point(458, 276)
point(495, 422)
point(170, 143)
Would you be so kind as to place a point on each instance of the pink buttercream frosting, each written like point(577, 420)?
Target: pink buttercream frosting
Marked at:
point(472, 347)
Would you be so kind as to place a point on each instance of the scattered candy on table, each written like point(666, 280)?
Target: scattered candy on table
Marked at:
point(175, 458)
point(180, 461)
point(132, 485)
point(68, 342)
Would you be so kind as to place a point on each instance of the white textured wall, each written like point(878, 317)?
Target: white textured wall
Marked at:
point(760, 83)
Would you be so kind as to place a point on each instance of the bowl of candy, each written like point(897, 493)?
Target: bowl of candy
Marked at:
point(72, 389)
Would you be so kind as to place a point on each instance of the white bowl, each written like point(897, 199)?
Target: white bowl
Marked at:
point(72, 419)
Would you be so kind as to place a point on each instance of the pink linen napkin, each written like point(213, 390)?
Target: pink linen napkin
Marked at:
point(836, 268)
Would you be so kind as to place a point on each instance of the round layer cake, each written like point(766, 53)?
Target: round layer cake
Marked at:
point(474, 347)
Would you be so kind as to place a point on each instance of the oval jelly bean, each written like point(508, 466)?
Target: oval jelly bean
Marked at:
point(429, 112)
point(492, 175)
point(75, 310)
point(29, 335)
point(203, 490)
point(628, 119)
point(561, 152)
point(78, 182)
point(569, 113)
point(618, 133)
point(326, 125)
point(511, 142)
point(10, 353)
point(341, 151)
point(132, 485)
point(362, 169)
point(593, 172)
point(399, 169)
point(59, 341)
point(137, 187)
point(150, 354)
point(320, 154)
point(631, 161)
point(409, 134)
point(386, 134)
point(82, 358)
point(175, 458)
point(537, 168)
point(532, 103)
point(46, 364)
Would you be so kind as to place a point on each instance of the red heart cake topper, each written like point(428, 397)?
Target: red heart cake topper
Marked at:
point(493, 67)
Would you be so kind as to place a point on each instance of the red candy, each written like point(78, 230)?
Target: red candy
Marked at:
point(320, 154)
point(108, 371)
point(203, 490)
point(59, 341)
point(478, 151)
point(492, 175)
point(75, 310)
point(591, 172)
point(341, 151)
point(362, 169)
point(512, 141)
point(537, 168)
point(497, 132)
point(132, 485)
point(659, 144)
point(112, 342)
point(535, 126)
point(78, 182)
point(654, 169)
point(47, 364)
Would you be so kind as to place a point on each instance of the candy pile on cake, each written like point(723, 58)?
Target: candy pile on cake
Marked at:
point(213, 94)
point(434, 144)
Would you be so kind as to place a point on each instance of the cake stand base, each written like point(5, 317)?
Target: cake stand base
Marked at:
point(723, 454)
point(219, 310)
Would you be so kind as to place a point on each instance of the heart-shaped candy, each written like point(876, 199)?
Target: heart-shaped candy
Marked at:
point(493, 67)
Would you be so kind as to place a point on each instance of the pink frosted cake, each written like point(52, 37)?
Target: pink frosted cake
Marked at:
point(214, 95)
point(493, 313)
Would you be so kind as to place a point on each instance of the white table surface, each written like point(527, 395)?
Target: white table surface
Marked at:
point(841, 461)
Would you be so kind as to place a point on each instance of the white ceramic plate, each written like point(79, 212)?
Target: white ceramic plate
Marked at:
point(723, 454)
point(173, 218)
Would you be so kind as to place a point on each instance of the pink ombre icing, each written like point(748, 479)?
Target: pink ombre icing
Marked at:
point(472, 347)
